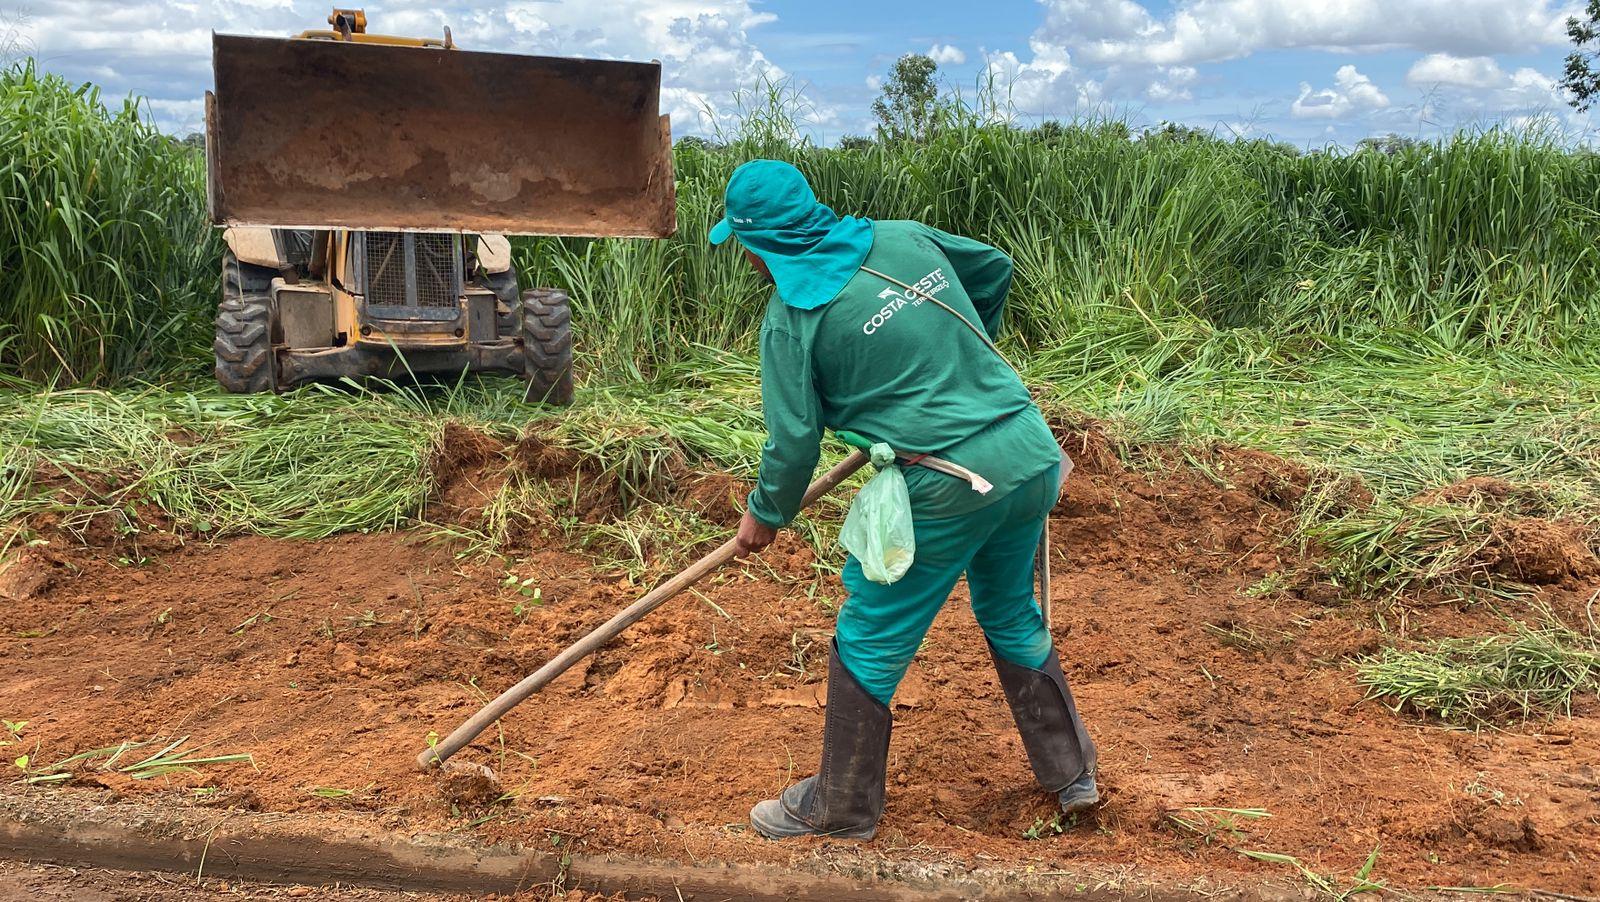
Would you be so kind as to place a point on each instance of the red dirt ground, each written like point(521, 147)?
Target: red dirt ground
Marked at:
point(1197, 693)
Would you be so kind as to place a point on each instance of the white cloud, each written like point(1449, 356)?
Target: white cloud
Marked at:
point(1046, 85)
point(1169, 83)
point(1121, 31)
point(1116, 55)
point(1352, 94)
point(1086, 22)
point(1478, 86)
point(1443, 69)
point(947, 55)
point(179, 110)
point(1118, 50)
point(1121, 49)
point(162, 48)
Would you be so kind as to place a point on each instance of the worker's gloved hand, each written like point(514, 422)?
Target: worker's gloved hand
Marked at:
point(754, 536)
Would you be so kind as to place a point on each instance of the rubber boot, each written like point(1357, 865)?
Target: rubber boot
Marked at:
point(845, 798)
point(1059, 748)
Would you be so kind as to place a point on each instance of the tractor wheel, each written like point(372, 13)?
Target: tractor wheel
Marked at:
point(243, 346)
point(547, 346)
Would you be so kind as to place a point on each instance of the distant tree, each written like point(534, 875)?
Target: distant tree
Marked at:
point(698, 143)
point(910, 101)
point(194, 142)
point(1582, 78)
point(856, 142)
point(1388, 145)
point(1114, 128)
point(1050, 130)
point(1178, 133)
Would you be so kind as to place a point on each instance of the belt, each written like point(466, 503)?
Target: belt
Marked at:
point(979, 484)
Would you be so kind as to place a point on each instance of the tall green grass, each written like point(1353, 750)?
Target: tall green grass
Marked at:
point(1132, 253)
point(1154, 252)
point(107, 265)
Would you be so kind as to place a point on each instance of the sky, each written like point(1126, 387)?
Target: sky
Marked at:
point(1311, 72)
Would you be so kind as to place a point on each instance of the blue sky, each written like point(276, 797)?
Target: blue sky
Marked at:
point(1308, 72)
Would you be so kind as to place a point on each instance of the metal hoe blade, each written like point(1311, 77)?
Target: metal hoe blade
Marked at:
point(314, 133)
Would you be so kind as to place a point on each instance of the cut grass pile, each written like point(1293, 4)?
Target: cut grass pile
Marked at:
point(305, 466)
point(1524, 673)
point(325, 460)
point(1402, 413)
point(1476, 544)
point(1406, 418)
point(643, 442)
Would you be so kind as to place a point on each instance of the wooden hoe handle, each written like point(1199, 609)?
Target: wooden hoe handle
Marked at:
point(588, 645)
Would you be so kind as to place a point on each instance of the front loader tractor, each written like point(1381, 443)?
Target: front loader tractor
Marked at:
point(366, 184)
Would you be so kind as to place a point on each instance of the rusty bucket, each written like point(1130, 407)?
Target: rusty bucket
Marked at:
point(314, 133)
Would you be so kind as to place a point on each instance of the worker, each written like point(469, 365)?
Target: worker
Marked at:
point(846, 349)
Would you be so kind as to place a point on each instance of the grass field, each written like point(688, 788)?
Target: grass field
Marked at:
point(1149, 254)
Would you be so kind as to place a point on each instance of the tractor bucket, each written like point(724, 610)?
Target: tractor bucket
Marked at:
point(305, 133)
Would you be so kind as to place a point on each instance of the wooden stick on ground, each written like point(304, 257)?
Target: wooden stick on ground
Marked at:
point(577, 651)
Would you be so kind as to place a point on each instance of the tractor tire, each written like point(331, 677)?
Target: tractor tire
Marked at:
point(243, 344)
point(547, 346)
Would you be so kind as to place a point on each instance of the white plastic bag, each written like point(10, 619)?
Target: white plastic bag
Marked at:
point(878, 528)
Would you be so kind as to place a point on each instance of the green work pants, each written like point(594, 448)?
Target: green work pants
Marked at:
point(880, 627)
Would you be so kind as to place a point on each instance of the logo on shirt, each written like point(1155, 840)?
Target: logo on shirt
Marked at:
point(894, 299)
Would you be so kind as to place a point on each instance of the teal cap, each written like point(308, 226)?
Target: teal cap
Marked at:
point(810, 251)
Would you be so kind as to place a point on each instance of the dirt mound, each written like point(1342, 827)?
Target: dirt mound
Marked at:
point(1476, 490)
point(542, 459)
point(1262, 476)
point(1542, 552)
point(1524, 543)
point(602, 489)
point(469, 787)
point(331, 661)
point(31, 571)
point(1265, 476)
point(716, 497)
point(468, 470)
point(1085, 441)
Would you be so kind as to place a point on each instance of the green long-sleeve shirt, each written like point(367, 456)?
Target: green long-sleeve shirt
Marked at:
point(890, 366)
